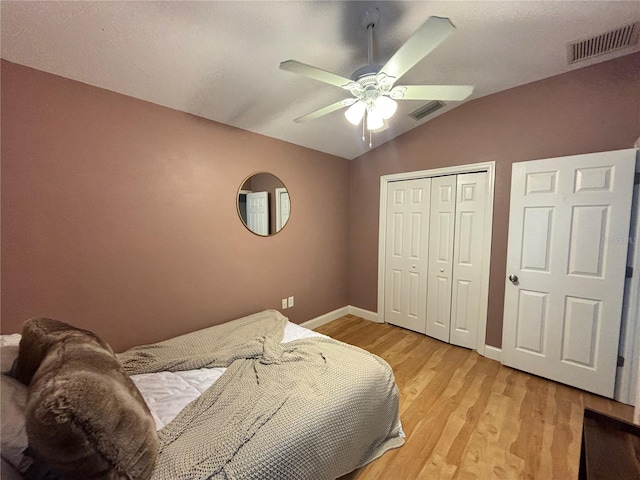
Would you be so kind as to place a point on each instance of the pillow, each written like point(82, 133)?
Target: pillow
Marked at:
point(14, 440)
point(38, 334)
point(85, 417)
point(8, 351)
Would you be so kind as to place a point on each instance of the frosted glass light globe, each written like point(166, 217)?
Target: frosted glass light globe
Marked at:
point(355, 112)
point(374, 119)
point(385, 106)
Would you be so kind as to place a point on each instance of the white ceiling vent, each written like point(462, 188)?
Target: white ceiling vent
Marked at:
point(607, 42)
point(427, 109)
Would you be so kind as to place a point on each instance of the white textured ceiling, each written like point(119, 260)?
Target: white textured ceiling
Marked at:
point(219, 59)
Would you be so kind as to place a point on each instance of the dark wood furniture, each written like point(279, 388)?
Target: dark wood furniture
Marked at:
point(610, 448)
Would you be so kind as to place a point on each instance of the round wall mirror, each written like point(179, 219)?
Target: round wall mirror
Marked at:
point(263, 204)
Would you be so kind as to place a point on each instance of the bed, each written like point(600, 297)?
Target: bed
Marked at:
point(260, 397)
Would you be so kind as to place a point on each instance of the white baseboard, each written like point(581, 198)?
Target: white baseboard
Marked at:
point(326, 318)
point(494, 353)
point(340, 312)
point(362, 313)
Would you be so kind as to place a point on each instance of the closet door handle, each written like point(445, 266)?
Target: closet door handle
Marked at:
point(513, 279)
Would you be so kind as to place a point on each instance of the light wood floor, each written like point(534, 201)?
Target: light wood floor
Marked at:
point(467, 417)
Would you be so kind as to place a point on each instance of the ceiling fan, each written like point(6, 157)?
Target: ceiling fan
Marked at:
point(372, 86)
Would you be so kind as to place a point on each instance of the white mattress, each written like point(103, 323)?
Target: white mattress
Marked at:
point(167, 393)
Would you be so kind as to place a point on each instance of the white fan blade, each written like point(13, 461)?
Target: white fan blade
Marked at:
point(455, 93)
point(318, 74)
point(420, 44)
point(324, 111)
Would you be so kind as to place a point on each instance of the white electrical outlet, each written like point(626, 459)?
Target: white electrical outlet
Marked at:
point(291, 301)
point(284, 303)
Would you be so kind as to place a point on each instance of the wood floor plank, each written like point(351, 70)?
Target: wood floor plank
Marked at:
point(467, 417)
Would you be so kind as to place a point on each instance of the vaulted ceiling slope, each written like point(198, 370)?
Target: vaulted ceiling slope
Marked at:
point(219, 60)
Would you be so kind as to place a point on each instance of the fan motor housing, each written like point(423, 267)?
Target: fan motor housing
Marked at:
point(367, 70)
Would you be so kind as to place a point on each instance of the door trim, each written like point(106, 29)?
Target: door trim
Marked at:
point(490, 168)
point(628, 376)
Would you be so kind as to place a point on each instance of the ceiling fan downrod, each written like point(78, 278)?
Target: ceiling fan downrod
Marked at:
point(369, 19)
point(370, 43)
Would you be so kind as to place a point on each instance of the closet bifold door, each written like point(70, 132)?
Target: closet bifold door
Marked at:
point(456, 237)
point(468, 258)
point(441, 256)
point(406, 247)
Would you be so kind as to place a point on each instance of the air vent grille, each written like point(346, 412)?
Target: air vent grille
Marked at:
point(427, 109)
point(607, 42)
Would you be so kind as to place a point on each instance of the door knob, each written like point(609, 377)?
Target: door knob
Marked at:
point(513, 279)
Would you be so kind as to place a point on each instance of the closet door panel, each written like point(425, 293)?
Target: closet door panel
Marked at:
point(468, 258)
point(406, 248)
point(441, 255)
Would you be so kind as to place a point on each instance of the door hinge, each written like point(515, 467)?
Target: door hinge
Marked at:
point(620, 361)
point(636, 178)
point(629, 272)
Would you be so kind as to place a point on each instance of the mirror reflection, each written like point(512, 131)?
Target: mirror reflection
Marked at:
point(263, 204)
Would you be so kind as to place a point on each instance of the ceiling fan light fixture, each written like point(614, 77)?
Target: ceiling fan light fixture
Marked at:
point(372, 87)
point(355, 112)
point(385, 106)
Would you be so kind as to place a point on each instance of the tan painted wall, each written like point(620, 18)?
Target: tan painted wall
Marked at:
point(108, 217)
point(588, 110)
point(120, 216)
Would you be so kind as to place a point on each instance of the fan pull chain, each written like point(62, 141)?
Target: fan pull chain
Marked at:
point(364, 122)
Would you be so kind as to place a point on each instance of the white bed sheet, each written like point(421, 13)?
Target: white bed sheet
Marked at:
point(167, 393)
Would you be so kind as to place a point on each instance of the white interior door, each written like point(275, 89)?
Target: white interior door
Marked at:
point(440, 267)
point(568, 236)
point(406, 253)
point(258, 212)
point(468, 259)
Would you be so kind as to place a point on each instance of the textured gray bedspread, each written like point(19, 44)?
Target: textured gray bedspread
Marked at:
point(309, 409)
